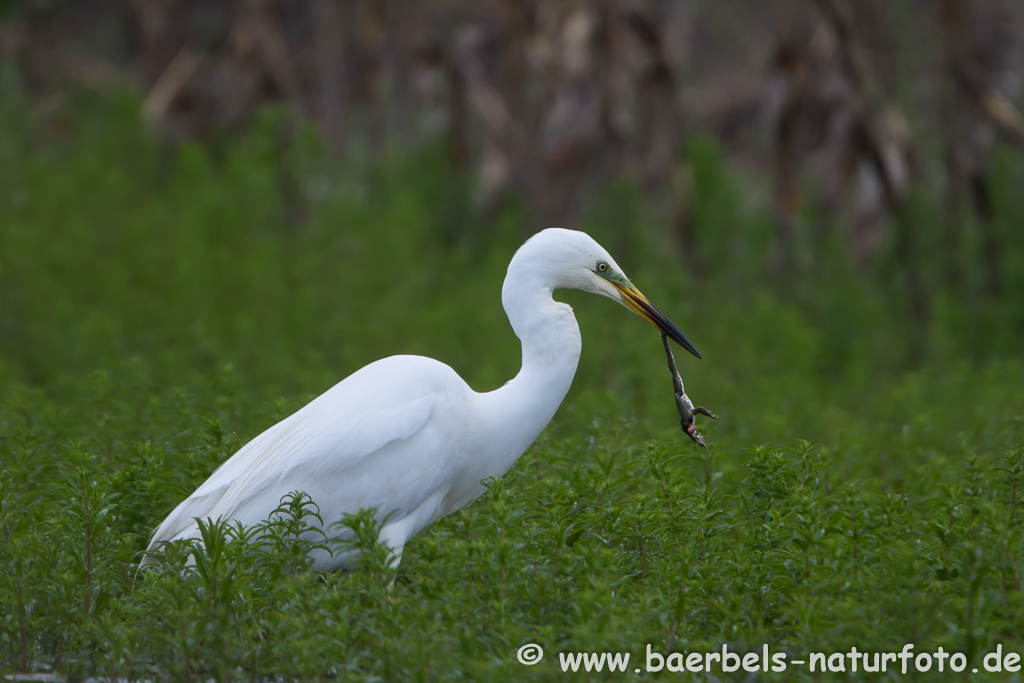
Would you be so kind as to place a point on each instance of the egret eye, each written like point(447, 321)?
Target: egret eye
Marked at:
point(602, 267)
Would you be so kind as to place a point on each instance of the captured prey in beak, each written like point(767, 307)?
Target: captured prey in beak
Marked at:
point(637, 302)
point(684, 405)
point(633, 299)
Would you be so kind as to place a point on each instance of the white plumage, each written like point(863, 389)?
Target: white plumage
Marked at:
point(406, 435)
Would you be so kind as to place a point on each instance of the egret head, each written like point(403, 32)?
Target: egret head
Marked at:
point(568, 259)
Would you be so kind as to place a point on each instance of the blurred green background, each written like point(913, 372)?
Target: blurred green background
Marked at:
point(121, 255)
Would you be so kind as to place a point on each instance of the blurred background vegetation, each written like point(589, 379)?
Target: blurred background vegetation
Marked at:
point(208, 206)
point(808, 186)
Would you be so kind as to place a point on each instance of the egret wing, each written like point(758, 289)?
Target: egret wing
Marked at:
point(346, 449)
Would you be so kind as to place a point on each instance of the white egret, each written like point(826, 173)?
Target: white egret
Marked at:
point(406, 435)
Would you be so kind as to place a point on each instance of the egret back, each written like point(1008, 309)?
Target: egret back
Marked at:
point(377, 439)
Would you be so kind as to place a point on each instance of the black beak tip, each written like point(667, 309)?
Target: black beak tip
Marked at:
point(680, 338)
point(689, 347)
point(667, 327)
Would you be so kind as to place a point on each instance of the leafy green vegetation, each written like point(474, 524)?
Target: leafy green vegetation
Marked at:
point(158, 311)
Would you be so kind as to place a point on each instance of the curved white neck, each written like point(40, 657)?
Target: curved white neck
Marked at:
point(516, 413)
point(551, 345)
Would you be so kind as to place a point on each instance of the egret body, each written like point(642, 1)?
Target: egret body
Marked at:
point(405, 435)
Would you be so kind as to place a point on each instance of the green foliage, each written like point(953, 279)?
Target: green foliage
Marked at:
point(155, 307)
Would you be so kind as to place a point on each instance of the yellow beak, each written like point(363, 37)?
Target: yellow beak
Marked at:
point(633, 299)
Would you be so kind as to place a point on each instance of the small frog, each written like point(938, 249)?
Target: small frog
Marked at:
point(687, 411)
